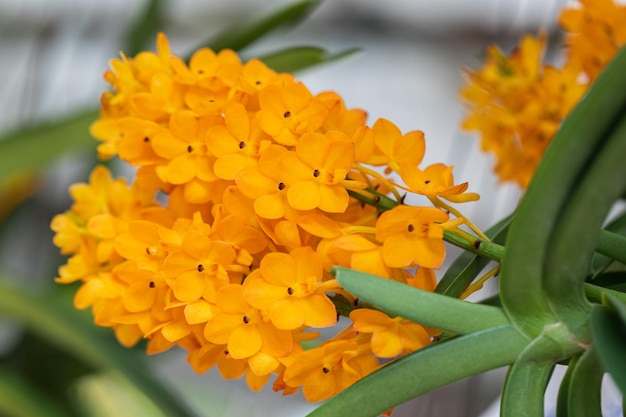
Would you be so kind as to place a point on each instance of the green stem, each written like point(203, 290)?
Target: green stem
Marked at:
point(612, 245)
point(484, 248)
point(380, 201)
point(594, 293)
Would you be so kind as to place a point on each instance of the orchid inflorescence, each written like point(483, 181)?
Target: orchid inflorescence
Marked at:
point(248, 190)
point(517, 103)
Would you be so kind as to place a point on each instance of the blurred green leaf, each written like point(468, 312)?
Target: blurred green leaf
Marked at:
point(19, 399)
point(35, 146)
point(609, 338)
point(107, 395)
point(241, 35)
point(145, 27)
point(468, 265)
point(56, 322)
point(425, 370)
point(434, 310)
point(302, 57)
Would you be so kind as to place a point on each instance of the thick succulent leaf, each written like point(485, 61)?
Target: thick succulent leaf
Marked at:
point(431, 309)
point(585, 386)
point(556, 179)
point(609, 338)
point(425, 370)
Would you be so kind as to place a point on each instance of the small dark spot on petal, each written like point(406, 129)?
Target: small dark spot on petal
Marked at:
point(151, 284)
point(258, 82)
point(246, 319)
point(427, 182)
point(189, 148)
point(316, 173)
point(242, 145)
point(325, 370)
point(146, 139)
point(148, 251)
point(281, 186)
point(287, 114)
point(410, 228)
point(289, 290)
point(226, 352)
point(200, 268)
point(200, 72)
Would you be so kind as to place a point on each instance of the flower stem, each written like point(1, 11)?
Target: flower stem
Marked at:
point(484, 248)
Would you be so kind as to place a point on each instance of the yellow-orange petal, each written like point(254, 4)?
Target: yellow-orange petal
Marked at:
point(262, 364)
point(219, 329)
point(318, 311)
point(304, 195)
point(139, 297)
point(188, 286)
point(199, 312)
point(175, 331)
point(244, 342)
point(386, 344)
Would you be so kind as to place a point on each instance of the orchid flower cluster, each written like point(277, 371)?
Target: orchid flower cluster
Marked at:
point(248, 190)
point(517, 103)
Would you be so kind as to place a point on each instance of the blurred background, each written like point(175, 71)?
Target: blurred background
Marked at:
point(409, 70)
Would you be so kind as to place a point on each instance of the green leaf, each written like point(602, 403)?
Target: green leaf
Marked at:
point(562, 406)
point(526, 381)
point(585, 386)
point(302, 57)
point(108, 395)
point(524, 389)
point(425, 370)
point(38, 145)
point(468, 265)
point(609, 338)
point(242, 35)
point(19, 399)
point(613, 245)
point(578, 231)
point(556, 179)
point(600, 262)
point(435, 310)
point(54, 321)
point(144, 28)
point(617, 305)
